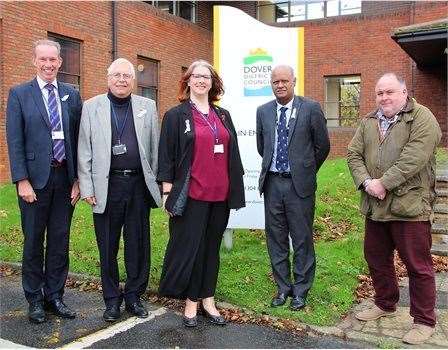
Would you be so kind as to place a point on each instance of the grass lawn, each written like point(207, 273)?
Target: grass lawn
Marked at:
point(245, 274)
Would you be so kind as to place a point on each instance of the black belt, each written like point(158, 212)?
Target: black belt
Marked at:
point(284, 174)
point(125, 172)
point(55, 164)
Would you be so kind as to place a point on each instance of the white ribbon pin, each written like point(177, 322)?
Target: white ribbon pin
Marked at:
point(293, 113)
point(65, 98)
point(187, 126)
point(141, 113)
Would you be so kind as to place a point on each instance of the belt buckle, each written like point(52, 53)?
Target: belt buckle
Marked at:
point(127, 172)
point(285, 175)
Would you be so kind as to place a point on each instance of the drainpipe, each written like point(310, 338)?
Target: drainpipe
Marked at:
point(114, 31)
point(413, 64)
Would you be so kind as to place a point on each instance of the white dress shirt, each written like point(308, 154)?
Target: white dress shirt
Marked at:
point(288, 117)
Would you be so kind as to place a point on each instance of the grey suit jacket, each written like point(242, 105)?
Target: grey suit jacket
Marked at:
point(308, 142)
point(95, 145)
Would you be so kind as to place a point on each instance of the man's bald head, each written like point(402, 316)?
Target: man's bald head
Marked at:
point(283, 83)
point(391, 94)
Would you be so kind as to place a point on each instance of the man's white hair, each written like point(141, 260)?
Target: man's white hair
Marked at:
point(118, 61)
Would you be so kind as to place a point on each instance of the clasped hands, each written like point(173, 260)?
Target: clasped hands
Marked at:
point(376, 189)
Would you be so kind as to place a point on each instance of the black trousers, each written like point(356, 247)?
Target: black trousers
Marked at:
point(191, 264)
point(287, 214)
point(44, 273)
point(127, 209)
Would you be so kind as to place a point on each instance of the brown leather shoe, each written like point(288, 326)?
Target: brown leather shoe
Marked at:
point(418, 334)
point(373, 313)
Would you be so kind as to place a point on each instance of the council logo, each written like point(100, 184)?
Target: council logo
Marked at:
point(257, 67)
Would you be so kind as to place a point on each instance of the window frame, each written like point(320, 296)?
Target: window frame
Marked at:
point(176, 8)
point(58, 37)
point(306, 15)
point(341, 121)
point(140, 85)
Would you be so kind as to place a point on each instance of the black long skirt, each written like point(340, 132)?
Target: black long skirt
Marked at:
point(191, 265)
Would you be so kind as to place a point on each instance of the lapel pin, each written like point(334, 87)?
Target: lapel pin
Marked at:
point(64, 98)
point(141, 113)
point(293, 113)
point(187, 126)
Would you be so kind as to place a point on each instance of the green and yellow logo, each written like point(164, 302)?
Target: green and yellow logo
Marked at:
point(257, 68)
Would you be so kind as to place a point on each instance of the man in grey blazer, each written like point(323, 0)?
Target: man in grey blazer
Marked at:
point(293, 140)
point(117, 160)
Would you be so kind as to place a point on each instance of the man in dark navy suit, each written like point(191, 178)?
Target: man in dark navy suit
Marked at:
point(42, 123)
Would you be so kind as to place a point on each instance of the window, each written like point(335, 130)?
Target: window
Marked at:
point(148, 78)
point(342, 95)
point(290, 11)
point(70, 71)
point(184, 9)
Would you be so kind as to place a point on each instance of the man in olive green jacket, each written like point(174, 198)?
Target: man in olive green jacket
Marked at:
point(392, 161)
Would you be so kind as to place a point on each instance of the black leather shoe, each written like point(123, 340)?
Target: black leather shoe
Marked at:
point(297, 303)
point(217, 320)
point(137, 309)
point(279, 299)
point(36, 313)
point(190, 321)
point(58, 308)
point(112, 313)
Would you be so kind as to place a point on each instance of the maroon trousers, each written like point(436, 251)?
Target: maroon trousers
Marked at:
point(412, 239)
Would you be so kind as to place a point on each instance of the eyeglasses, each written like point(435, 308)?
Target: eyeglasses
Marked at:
point(119, 76)
point(199, 76)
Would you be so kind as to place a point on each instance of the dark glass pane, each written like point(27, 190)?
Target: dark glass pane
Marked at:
point(186, 10)
point(147, 72)
point(166, 6)
point(148, 92)
point(71, 55)
point(281, 12)
point(73, 80)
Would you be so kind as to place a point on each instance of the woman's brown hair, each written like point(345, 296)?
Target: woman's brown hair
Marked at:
point(216, 91)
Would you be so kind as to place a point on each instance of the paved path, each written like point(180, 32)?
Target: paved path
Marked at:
point(387, 332)
point(161, 330)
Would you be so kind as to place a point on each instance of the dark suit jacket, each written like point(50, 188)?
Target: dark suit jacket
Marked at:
point(28, 132)
point(176, 155)
point(308, 142)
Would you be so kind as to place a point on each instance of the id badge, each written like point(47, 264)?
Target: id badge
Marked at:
point(119, 149)
point(57, 135)
point(219, 148)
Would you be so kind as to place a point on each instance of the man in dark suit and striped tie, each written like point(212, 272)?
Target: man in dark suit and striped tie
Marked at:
point(293, 141)
point(42, 123)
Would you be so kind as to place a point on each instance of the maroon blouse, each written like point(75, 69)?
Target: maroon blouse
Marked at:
point(209, 171)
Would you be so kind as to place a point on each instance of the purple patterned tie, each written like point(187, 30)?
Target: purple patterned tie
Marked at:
point(55, 122)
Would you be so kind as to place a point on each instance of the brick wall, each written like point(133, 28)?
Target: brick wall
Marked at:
point(356, 44)
point(205, 10)
point(142, 31)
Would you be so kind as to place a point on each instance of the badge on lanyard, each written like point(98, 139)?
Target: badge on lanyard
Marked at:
point(57, 135)
point(119, 149)
point(219, 148)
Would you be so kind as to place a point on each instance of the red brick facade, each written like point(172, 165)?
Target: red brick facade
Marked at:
point(356, 44)
point(362, 45)
point(142, 31)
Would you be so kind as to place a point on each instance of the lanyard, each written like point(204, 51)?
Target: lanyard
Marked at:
point(120, 132)
point(213, 128)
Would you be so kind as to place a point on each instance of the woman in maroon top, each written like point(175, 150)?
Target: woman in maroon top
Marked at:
point(202, 177)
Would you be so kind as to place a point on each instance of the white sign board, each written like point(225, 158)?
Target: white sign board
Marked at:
point(245, 51)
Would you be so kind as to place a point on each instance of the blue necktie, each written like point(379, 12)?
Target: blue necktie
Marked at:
point(55, 122)
point(281, 163)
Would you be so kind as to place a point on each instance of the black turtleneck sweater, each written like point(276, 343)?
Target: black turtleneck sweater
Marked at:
point(121, 107)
